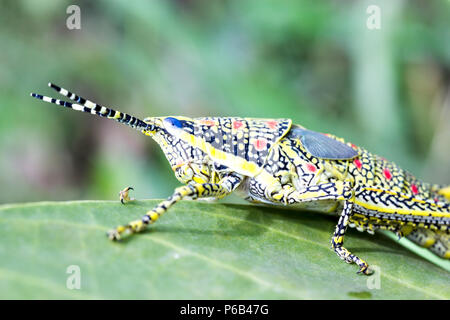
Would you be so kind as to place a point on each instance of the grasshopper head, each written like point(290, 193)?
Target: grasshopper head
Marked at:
point(166, 132)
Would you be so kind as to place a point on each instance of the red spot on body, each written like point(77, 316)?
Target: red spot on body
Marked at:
point(414, 189)
point(311, 167)
point(260, 144)
point(358, 163)
point(208, 123)
point(387, 174)
point(237, 124)
point(353, 146)
point(436, 200)
point(272, 124)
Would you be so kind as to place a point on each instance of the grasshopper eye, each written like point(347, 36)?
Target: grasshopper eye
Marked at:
point(171, 122)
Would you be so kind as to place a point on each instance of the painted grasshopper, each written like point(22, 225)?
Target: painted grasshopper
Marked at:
point(274, 162)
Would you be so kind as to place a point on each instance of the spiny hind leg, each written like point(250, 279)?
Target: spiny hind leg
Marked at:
point(339, 191)
point(205, 190)
point(124, 196)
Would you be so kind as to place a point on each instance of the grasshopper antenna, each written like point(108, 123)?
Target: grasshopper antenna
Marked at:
point(84, 105)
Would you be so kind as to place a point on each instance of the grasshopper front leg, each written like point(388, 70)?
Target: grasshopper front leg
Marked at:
point(124, 195)
point(194, 191)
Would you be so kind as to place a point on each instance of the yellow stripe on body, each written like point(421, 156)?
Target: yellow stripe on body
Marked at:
point(398, 195)
point(401, 211)
point(405, 197)
point(238, 164)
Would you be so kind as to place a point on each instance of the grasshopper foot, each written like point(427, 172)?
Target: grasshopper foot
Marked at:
point(121, 231)
point(124, 195)
point(363, 266)
point(116, 234)
point(113, 235)
point(364, 269)
point(348, 257)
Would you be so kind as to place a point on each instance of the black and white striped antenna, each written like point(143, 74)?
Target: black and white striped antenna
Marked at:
point(84, 105)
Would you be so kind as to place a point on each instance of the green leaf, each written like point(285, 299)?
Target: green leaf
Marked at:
point(199, 250)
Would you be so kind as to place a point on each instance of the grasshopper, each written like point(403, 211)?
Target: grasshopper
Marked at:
point(275, 162)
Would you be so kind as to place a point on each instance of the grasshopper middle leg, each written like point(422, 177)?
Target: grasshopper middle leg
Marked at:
point(339, 191)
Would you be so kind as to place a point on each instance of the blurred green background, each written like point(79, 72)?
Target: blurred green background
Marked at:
point(313, 61)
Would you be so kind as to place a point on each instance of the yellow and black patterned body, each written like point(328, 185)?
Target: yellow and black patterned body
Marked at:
point(274, 162)
point(385, 196)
